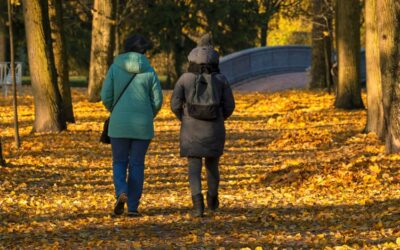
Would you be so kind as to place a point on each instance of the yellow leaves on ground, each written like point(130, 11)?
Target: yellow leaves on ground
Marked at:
point(297, 174)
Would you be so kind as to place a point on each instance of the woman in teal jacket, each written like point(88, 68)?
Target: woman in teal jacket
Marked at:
point(131, 123)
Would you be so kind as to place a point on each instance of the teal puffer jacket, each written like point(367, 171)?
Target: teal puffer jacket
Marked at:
point(133, 115)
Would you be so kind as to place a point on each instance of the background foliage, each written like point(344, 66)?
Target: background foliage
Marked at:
point(174, 26)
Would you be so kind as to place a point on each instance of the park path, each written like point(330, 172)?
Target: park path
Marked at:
point(297, 174)
point(275, 83)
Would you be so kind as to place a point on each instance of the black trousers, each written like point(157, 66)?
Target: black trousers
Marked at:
point(195, 166)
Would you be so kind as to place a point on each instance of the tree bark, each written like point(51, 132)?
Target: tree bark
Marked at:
point(3, 31)
point(3, 46)
point(393, 136)
point(117, 29)
point(271, 7)
point(264, 32)
point(389, 38)
point(3, 42)
point(348, 94)
point(375, 118)
point(60, 57)
point(2, 161)
point(318, 70)
point(178, 61)
point(13, 76)
point(102, 46)
point(328, 62)
point(49, 115)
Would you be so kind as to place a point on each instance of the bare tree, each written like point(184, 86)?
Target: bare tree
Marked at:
point(389, 40)
point(102, 46)
point(321, 16)
point(374, 82)
point(60, 57)
point(348, 94)
point(49, 115)
point(14, 83)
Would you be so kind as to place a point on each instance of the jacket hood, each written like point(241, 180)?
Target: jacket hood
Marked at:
point(204, 55)
point(133, 62)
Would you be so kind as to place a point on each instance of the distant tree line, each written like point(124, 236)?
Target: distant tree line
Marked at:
point(172, 25)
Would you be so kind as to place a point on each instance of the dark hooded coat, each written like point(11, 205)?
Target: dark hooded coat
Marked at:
point(200, 138)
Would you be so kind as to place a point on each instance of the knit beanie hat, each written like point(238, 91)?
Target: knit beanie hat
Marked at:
point(204, 53)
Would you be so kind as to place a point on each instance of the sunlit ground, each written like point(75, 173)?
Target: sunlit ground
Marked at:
point(296, 173)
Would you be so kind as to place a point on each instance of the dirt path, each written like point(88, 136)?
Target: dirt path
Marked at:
point(275, 83)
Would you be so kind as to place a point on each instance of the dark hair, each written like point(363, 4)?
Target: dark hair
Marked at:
point(137, 43)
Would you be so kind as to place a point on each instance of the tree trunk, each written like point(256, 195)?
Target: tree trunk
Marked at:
point(348, 94)
point(3, 49)
point(375, 117)
point(102, 47)
point(178, 63)
point(328, 62)
point(60, 57)
point(13, 76)
point(3, 41)
point(264, 32)
point(2, 161)
point(117, 40)
point(178, 56)
point(393, 136)
point(49, 115)
point(117, 29)
point(318, 71)
point(389, 38)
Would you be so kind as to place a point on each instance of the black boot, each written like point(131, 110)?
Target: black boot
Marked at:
point(198, 205)
point(212, 202)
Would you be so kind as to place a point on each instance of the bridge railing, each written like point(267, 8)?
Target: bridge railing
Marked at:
point(265, 61)
point(5, 75)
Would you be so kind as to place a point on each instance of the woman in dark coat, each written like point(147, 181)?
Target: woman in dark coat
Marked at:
point(202, 138)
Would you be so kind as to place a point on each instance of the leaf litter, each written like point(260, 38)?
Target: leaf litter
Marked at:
point(296, 174)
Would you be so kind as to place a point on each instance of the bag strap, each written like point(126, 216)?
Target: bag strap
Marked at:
point(120, 95)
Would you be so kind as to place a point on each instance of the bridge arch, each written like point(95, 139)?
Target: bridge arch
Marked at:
point(266, 61)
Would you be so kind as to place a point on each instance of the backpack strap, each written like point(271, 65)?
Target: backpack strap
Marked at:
point(120, 95)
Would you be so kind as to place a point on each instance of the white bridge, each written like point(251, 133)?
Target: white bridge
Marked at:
point(5, 76)
point(260, 62)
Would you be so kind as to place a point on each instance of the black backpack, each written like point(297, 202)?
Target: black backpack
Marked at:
point(204, 102)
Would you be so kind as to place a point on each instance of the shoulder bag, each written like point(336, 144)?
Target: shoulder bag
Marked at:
point(104, 138)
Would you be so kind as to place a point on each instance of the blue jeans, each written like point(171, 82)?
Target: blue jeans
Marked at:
point(129, 152)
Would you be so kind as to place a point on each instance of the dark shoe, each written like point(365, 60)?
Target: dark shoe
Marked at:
point(120, 204)
point(212, 202)
point(133, 214)
point(198, 205)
